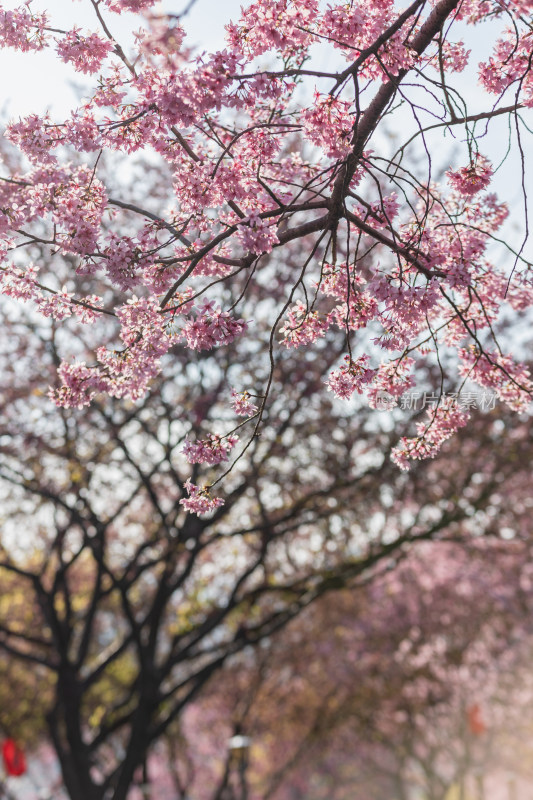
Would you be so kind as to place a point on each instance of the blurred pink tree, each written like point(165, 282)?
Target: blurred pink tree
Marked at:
point(408, 686)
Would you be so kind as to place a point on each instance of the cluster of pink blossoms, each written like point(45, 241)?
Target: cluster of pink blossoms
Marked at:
point(511, 381)
point(212, 450)
point(256, 235)
point(35, 137)
point(339, 280)
point(445, 419)
point(381, 214)
point(351, 377)
point(265, 24)
point(391, 380)
point(211, 327)
point(86, 53)
point(126, 373)
point(23, 29)
point(129, 5)
point(355, 28)
point(454, 56)
point(356, 309)
point(470, 180)
point(242, 404)
point(516, 56)
point(146, 337)
point(328, 123)
point(404, 309)
point(384, 385)
point(303, 326)
point(199, 500)
point(23, 284)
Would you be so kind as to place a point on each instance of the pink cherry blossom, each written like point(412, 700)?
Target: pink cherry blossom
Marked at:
point(351, 377)
point(391, 380)
point(86, 53)
point(211, 327)
point(510, 380)
point(303, 326)
point(199, 500)
point(256, 236)
point(279, 23)
point(212, 450)
point(129, 5)
point(242, 404)
point(514, 55)
point(23, 29)
point(470, 180)
point(328, 124)
point(444, 420)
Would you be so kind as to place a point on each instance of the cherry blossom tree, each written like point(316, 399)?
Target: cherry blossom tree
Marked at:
point(270, 158)
point(201, 261)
